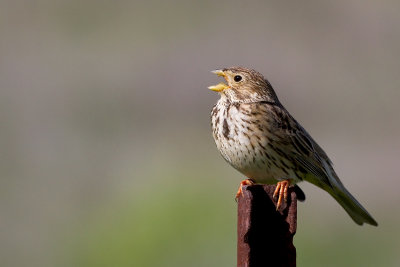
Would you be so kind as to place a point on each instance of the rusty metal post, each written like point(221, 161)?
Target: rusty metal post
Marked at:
point(265, 236)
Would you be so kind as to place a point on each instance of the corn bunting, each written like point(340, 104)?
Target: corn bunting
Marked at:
point(259, 138)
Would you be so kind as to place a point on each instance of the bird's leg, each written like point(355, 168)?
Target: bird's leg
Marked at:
point(281, 191)
point(242, 183)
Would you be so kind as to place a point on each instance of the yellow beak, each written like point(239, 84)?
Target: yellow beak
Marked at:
point(221, 86)
point(219, 72)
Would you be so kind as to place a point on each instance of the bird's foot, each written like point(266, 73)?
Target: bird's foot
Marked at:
point(242, 183)
point(281, 191)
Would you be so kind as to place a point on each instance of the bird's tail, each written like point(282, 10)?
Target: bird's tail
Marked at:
point(332, 184)
point(356, 211)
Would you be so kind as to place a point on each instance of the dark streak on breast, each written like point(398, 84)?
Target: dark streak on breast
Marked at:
point(214, 111)
point(225, 129)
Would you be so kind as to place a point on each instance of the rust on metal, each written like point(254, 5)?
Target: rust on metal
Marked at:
point(265, 235)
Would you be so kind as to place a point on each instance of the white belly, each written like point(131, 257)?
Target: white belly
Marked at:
point(247, 151)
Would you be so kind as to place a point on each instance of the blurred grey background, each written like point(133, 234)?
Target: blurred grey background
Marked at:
point(106, 153)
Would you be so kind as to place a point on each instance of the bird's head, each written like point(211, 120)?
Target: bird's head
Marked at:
point(244, 86)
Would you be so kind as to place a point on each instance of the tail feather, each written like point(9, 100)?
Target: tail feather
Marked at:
point(337, 190)
point(356, 211)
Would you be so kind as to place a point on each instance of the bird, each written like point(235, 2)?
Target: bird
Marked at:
point(257, 136)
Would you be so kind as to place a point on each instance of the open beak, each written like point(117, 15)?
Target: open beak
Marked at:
point(221, 86)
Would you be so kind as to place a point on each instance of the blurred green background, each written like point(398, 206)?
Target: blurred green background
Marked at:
point(106, 153)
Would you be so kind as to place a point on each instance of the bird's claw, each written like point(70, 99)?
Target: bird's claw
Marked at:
point(281, 191)
point(240, 190)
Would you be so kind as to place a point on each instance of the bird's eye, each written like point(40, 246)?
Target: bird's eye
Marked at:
point(237, 78)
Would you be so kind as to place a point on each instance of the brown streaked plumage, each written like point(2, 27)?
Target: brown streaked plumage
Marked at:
point(259, 138)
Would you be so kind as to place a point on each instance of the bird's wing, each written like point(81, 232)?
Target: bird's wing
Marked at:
point(309, 155)
point(305, 151)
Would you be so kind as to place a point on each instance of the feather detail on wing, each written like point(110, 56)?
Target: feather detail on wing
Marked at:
point(304, 150)
point(310, 156)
